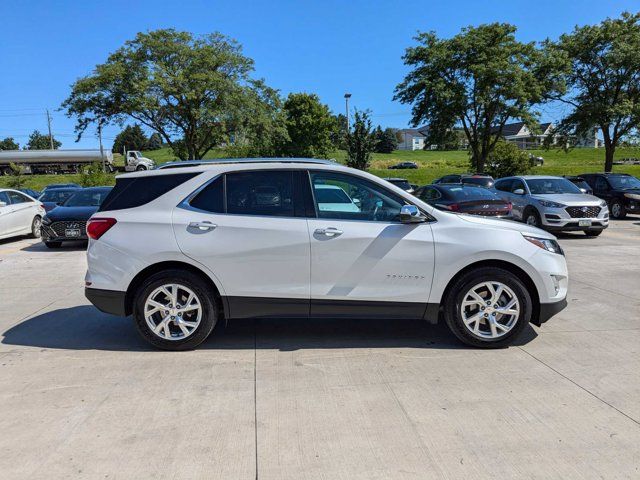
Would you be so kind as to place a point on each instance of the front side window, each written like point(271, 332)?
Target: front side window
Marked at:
point(264, 192)
point(429, 193)
point(518, 185)
point(360, 198)
point(503, 185)
point(601, 185)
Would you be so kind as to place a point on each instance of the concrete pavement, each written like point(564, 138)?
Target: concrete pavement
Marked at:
point(82, 396)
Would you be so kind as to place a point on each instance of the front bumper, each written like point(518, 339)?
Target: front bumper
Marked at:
point(107, 301)
point(559, 219)
point(55, 232)
point(548, 310)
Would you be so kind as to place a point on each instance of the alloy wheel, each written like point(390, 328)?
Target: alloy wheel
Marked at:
point(173, 311)
point(616, 210)
point(36, 227)
point(532, 220)
point(490, 310)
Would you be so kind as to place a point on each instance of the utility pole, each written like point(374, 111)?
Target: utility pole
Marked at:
point(347, 96)
point(104, 168)
point(49, 124)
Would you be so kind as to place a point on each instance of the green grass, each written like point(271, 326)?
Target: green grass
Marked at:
point(432, 164)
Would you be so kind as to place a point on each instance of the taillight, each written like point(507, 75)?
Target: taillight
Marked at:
point(454, 207)
point(96, 227)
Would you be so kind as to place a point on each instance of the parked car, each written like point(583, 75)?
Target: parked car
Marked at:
point(464, 198)
point(403, 166)
point(579, 182)
point(20, 214)
point(61, 185)
point(68, 221)
point(536, 160)
point(473, 179)
point(32, 193)
point(181, 249)
point(553, 203)
point(620, 190)
point(402, 183)
point(53, 197)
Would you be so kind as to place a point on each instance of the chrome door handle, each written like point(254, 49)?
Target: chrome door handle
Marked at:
point(329, 232)
point(204, 226)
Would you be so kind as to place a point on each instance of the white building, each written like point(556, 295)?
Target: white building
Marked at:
point(410, 139)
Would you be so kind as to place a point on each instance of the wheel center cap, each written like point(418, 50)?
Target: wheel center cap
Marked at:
point(173, 312)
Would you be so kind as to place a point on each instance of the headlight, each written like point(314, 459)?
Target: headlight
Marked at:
point(46, 220)
point(547, 204)
point(545, 243)
point(632, 196)
point(603, 204)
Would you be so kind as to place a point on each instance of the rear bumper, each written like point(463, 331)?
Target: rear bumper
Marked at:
point(548, 310)
point(107, 301)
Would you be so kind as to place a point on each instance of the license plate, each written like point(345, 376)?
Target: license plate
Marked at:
point(72, 232)
point(584, 223)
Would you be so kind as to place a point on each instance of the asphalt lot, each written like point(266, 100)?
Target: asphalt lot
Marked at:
point(82, 397)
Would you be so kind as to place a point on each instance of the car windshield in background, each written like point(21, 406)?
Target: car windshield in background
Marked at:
point(87, 198)
point(581, 184)
point(57, 196)
point(624, 182)
point(404, 184)
point(482, 181)
point(464, 193)
point(551, 186)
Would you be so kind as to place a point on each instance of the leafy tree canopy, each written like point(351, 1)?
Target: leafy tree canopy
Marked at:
point(478, 79)
point(155, 141)
point(506, 160)
point(196, 89)
point(601, 72)
point(38, 141)
point(310, 126)
point(9, 144)
point(360, 141)
point(386, 141)
point(131, 138)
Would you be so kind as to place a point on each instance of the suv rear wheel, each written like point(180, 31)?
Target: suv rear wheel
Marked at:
point(488, 307)
point(175, 310)
point(617, 210)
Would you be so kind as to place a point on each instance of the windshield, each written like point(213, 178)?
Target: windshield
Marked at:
point(551, 186)
point(624, 182)
point(470, 193)
point(87, 198)
point(56, 196)
point(482, 181)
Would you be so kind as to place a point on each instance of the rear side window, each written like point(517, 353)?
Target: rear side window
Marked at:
point(211, 197)
point(267, 193)
point(137, 191)
point(503, 185)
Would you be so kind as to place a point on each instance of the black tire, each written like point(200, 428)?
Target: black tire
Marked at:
point(53, 244)
point(617, 210)
point(35, 227)
point(204, 294)
point(455, 297)
point(593, 233)
point(532, 215)
point(140, 168)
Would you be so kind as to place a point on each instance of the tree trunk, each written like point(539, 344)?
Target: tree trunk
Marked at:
point(609, 150)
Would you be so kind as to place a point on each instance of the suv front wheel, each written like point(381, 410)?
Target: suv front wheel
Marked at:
point(488, 307)
point(175, 310)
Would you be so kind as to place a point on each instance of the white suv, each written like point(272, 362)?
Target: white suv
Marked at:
point(182, 248)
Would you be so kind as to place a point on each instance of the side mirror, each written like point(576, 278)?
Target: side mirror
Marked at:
point(583, 190)
point(518, 191)
point(411, 214)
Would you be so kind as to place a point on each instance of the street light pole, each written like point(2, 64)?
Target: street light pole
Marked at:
point(347, 96)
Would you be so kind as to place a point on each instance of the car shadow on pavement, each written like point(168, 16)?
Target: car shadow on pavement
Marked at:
point(65, 247)
point(85, 328)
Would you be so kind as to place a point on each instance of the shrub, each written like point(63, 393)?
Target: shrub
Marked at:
point(507, 159)
point(94, 176)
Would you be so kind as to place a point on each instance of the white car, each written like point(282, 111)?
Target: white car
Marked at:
point(20, 214)
point(180, 249)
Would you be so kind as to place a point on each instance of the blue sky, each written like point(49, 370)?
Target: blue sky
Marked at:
point(324, 46)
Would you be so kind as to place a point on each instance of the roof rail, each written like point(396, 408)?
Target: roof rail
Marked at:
point(222, 161)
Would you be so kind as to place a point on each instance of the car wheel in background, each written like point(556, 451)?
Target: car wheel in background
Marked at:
point(593, 233)
point(532, 217)
point(36, 224)
point(487, 307)
point(617, 210)
point(53, 244)
point(140, 168)
point(175, 310)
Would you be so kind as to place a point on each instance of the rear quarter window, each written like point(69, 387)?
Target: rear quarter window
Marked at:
point(138, 191)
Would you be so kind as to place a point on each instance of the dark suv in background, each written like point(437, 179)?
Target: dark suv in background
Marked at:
point(620, 190)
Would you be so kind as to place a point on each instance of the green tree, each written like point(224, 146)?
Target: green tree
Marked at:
point(196, 89)
point(9, 144)
point(94, 176)
point(38, 141)
point(131, 138)
point(506, 160)
point(602, 77)
point(360, 141)
point(386, 141)
point(309, 126)
point(16, 178)
point(339, 133)
point(155, 142)
point(479, 80)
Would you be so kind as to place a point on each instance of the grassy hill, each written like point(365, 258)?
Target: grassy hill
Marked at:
point(432, 164)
